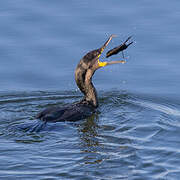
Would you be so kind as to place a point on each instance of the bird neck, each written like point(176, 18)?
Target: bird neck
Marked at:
point(84, 82)
point(90, 93)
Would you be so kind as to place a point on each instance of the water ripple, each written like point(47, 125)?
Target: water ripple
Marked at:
point(158, 107)
point(139, 135)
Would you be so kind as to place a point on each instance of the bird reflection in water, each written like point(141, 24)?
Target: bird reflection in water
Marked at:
point(89, 140)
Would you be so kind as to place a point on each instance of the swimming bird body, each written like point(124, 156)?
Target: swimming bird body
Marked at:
point(83, 76)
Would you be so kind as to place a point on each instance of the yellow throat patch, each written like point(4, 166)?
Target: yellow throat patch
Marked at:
point(102, 64)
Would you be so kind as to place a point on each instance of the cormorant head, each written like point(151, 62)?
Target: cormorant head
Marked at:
point(91, 60)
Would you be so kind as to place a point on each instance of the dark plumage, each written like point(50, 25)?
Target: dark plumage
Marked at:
point(83, 76)
point(72, 112)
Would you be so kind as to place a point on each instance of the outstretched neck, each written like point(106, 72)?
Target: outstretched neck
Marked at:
point(90, 93)
point(84, 82)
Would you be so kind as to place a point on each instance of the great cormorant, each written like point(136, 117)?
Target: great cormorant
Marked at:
point(83, 76)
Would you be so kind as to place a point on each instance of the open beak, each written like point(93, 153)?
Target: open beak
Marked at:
point(113, 51)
